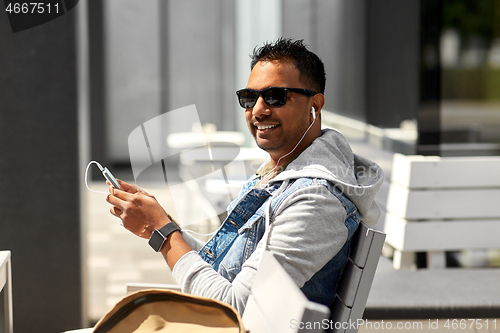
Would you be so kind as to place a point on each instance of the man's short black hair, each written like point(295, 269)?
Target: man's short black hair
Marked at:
point(310, 66)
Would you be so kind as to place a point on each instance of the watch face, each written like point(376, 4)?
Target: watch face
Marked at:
point(156, 240)
point(160, 235)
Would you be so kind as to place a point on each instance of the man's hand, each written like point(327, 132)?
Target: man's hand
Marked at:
point(140, 211)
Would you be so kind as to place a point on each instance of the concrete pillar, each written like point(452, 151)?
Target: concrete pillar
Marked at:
point(39, 173)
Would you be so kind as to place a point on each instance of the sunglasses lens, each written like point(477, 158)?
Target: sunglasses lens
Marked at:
point(274, 96)
point(247, 98)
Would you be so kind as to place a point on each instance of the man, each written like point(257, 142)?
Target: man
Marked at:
point(303, 205)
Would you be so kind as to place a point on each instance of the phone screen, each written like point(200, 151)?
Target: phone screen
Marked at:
point(109, 176)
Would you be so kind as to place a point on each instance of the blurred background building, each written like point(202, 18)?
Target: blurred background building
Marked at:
point(413, 76)
point(416, 77)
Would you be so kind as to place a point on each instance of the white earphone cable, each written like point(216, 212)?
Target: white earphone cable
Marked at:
point(291, 151)
point(197, 233)
point(118, 220)
point(86, 177)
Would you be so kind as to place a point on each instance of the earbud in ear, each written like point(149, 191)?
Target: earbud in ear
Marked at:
point(313, 112)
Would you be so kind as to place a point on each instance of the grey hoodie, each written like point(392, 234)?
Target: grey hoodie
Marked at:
point(302, 254)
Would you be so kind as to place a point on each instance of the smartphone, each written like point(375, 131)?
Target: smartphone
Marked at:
point(109, 176)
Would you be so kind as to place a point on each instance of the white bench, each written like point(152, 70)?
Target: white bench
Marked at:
point(438, 204)
point(6, 321)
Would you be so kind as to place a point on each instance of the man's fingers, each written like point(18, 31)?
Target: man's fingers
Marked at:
point(115, 211)
point(115, 200)
point(127, 187)
point(122, 194)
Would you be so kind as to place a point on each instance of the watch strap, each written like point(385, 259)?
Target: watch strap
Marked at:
point(159, 236)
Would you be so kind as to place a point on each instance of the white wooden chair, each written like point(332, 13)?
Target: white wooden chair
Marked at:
point(276, 304)
point(356, 281)
point(6, 322)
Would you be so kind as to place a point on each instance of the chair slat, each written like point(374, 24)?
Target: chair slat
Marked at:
point(356, 280)
point(340, 313)
point(360, 246)
point(349, 284)
point(366, 280)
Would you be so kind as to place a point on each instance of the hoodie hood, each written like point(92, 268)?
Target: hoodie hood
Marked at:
point(330, 157)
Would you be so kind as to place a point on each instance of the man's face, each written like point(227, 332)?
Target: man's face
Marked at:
point(278, 129)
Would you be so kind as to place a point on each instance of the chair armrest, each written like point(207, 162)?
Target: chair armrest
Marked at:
point(132, 287)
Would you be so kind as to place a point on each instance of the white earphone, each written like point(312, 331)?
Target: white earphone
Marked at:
point(313, 111)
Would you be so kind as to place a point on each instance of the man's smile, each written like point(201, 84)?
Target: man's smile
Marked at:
point(261, 127)
point(264, 128)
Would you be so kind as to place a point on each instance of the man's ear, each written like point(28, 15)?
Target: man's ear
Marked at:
point(318, 101)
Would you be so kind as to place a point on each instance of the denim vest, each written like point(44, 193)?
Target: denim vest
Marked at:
point(244, 227)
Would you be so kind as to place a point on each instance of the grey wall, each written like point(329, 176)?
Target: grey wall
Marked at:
point(393, 61)
point(132, 69)
point(335, 30)
point(201, 58)
point(371, 54)
point(164, 55)
point(39, 174)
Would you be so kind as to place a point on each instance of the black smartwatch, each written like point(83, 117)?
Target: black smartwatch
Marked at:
point(159, 236)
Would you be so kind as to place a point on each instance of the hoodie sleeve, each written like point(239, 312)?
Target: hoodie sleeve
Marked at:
point(307, 231)
point(197, 277)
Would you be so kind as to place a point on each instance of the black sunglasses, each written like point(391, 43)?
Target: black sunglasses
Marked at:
point(273, 96)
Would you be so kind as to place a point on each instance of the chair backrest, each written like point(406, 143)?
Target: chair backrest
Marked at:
point(277, 305)
point(356, 281)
